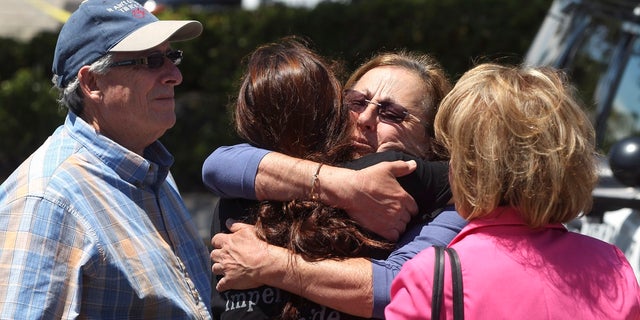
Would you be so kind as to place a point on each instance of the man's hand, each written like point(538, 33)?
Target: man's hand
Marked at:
point(374, 198)
point(238, 257)
point(247, 262)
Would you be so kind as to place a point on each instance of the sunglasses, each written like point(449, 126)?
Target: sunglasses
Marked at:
point(153, 61)
point(388, 112)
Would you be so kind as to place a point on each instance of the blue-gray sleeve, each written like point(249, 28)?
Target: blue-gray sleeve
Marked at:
point(230, 171)
point(440, 232)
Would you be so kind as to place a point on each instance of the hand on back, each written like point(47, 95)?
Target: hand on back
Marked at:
point(374, 198)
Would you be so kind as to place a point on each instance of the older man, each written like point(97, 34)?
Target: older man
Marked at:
point(92, 224)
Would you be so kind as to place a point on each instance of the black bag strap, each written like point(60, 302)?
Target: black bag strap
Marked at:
point(456, 280)
point(438, 283)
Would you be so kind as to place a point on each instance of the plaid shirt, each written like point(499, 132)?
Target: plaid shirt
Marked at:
point(89, 229)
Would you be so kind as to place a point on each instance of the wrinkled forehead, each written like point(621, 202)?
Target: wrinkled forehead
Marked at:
point(392, 83)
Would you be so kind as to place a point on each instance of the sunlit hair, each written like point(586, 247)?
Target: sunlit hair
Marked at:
point(436, 83)
point(517, 136)
point(290, 101)
point(70, 96)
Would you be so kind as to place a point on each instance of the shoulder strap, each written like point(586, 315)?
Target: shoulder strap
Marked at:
point(456, 280)
point(438, 283)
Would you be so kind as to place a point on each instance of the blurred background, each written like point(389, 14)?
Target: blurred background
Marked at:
point(457, 32)
point(596, 41)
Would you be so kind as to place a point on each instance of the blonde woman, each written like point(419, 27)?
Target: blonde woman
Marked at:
point(522, 163)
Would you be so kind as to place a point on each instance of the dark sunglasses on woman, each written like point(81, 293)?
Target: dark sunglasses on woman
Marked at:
point(388, 112)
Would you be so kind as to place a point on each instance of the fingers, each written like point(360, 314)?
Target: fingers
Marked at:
point(399, 169)
point(235, 226)
point(393, 234)
point(222, 285)
point(218, 240)
point(402, 168)
point(217, 269)
point(396, 222)
point(404, 218)
point(215, 258)
point(398, 227)
point(412, 209)
point(409, 203)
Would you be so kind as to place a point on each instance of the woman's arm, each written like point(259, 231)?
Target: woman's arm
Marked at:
point(383, 206)
point(438, 232)
point(230, 171)
point(247, 262)
point(356, 285)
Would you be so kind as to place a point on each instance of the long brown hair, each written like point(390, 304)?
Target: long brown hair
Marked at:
point(290, 102)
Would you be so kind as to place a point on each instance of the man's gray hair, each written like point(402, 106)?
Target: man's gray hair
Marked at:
point(70, 96)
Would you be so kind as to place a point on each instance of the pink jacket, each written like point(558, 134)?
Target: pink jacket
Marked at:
point(511, 271)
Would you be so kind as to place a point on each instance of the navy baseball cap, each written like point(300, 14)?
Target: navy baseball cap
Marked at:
point(102, 26)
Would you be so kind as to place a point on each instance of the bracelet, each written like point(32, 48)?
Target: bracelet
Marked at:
point(315, 181)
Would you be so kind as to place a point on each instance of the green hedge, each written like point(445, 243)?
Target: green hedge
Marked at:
point(457, 32)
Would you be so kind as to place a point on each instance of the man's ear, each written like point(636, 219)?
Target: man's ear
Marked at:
point(89, 84)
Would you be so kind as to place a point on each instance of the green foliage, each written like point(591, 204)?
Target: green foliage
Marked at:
point(28, 116)
point(456, 32)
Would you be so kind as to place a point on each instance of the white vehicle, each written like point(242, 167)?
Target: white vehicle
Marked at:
point(597, 42)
